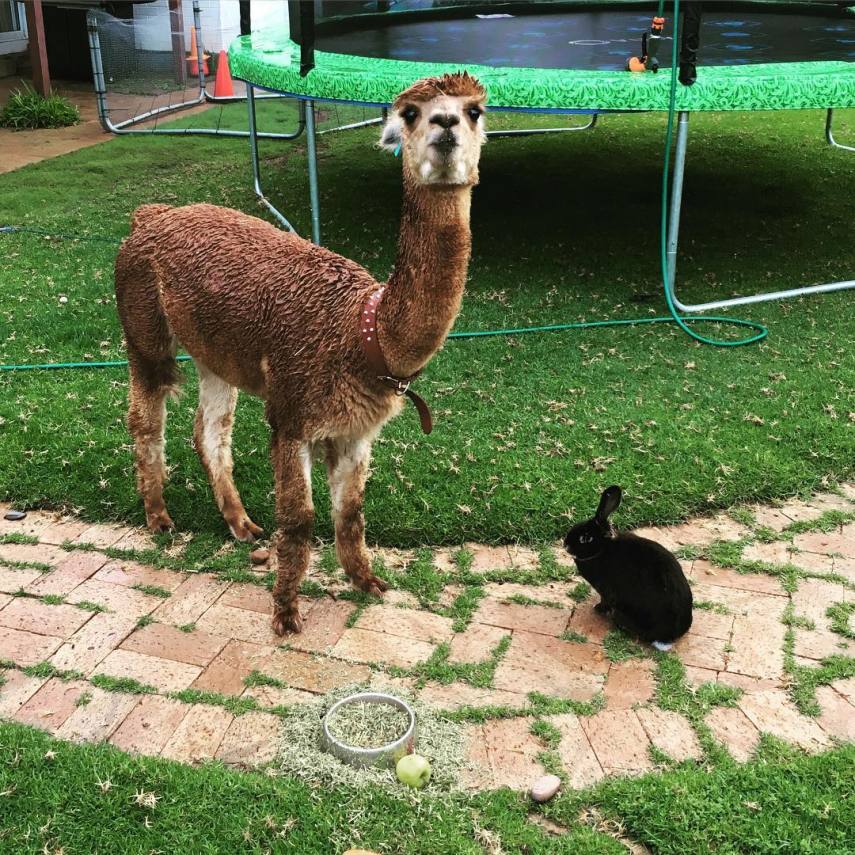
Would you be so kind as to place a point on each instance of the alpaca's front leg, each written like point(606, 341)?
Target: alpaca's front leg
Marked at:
point(295, 517)
point(347, 469)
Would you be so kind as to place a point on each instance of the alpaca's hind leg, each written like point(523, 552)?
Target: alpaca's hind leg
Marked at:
point(295, 517)
point(150, 384)
point(212, 435)
point(347, 470)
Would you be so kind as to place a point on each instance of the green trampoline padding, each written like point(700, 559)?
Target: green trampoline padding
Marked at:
point(271, 60)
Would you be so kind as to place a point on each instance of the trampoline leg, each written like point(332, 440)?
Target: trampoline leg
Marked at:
point(253, 153)
point(676, 199)
point(98, 71)
point(829, 118)
point(313, 172)
point(673, 232)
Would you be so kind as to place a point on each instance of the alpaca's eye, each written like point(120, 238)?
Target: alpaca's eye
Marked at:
point(409, 115)
point(474, 113)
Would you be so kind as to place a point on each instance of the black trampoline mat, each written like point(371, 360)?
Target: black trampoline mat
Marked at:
point(598, 40)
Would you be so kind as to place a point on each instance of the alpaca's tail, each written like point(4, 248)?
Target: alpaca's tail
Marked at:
point(147, 212)
point(151, 344)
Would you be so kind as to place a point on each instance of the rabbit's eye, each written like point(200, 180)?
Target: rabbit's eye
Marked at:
point(585, 538)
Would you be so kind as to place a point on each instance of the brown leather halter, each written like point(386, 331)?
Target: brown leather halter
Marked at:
point(377, 362)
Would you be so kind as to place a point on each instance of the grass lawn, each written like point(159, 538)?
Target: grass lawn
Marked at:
point(85, 799)
point(529, 428)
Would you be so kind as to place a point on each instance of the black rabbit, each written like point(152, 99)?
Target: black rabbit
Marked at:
point(641, 585)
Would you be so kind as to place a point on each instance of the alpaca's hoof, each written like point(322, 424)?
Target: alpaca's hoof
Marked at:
point(245, 530)
point(160, 522)
point(287, 621)
point(372, 585)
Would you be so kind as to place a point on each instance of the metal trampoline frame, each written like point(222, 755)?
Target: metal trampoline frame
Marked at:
point(674, 231)
point(127, 126)
point(675, 207)
point(306, 122)
point(829, 119)
point(303, 16)
point(307, 107)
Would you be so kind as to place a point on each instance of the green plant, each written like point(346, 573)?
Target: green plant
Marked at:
point(580, 592)
point(153, 591)
point(26, 108)
point(840, 613)
point(127, 685)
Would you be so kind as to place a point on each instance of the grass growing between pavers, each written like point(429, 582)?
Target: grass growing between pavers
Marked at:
point(122, 803)
point(674, 694)
point(528, 428)
point(803, 680)
point(439, 669)
point(841, 616)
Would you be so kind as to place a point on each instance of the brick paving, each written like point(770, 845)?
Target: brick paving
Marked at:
point(95, 620)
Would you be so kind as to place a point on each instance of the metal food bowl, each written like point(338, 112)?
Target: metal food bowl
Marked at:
point(384, 754)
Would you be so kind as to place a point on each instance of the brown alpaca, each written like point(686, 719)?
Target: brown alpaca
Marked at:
point(272, 314)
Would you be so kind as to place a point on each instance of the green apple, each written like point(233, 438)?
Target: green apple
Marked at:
point(413, 770)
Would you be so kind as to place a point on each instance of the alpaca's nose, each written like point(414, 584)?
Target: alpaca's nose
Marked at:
point(445, 120)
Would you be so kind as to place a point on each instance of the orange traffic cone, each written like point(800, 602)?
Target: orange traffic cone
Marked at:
point(193, 56)
point(223, 84)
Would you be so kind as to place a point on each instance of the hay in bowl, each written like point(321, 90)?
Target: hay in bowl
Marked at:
point(367, 724)
point(370, 729)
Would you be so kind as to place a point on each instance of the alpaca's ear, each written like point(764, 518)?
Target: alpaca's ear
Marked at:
point(391, 138)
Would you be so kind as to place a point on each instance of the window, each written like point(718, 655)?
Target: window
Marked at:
point(13, 24)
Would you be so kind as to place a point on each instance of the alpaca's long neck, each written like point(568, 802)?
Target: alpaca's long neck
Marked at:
point(425, 288)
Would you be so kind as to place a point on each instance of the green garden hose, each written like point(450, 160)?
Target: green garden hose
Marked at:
point(760, 331)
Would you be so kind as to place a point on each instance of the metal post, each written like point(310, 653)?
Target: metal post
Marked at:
point(313, 172)
point(97, 70)
point(200, 50)
point(677, 197)
point(829, 118)
point(673, 232)
point(253, 153)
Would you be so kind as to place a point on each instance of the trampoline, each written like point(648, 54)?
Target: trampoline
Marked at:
point(562, 58)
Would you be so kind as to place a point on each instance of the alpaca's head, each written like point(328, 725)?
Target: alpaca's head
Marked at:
point(438, 125)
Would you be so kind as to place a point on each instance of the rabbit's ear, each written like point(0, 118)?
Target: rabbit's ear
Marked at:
point(609, 502)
